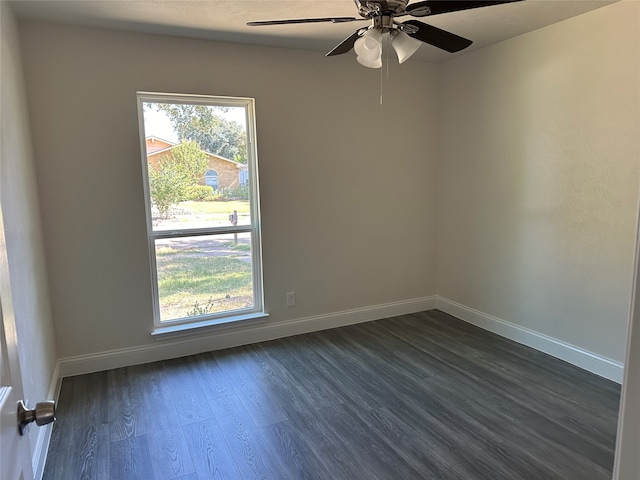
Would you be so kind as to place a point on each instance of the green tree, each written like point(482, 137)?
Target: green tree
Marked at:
point(171, 175)
point(205, 125)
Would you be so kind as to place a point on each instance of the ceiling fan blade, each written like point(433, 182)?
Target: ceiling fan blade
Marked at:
point(345, 46)
point(437, 7)
point(304, 20)
point(437, 37)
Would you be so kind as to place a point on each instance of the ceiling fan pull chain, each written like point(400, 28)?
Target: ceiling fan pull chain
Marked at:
point(381, 78)
point(387, 54)
point(384, 51)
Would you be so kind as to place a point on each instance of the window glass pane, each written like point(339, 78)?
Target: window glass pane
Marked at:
point(197, 165)
point(204, 275)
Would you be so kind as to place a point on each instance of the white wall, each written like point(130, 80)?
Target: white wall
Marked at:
point(348, 212)
point(25, 253)
point(538, 179)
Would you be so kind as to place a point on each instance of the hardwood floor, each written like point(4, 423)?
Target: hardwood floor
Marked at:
point(423, 396)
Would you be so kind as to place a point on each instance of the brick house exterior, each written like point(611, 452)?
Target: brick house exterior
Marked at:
point(221, 173)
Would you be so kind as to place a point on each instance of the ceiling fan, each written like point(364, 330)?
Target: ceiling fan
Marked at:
point(406, 37)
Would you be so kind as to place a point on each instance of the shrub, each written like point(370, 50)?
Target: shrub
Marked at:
point(202, 309)
point(199, 193)
point(172, 174)
point(240, 192)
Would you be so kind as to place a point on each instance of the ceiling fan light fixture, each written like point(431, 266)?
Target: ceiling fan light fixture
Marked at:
point(375, 63)
point(369, 46)
point(405, 46)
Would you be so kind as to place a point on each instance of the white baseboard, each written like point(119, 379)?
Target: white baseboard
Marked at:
point(179, 347)
point(605, 367)
point(44, 432)
point(182, 346)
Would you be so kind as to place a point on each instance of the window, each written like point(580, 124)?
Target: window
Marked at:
point(244, 177)
point(211, 179)
point(203, 218)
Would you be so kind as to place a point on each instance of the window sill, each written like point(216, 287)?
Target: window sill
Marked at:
point(205, 326)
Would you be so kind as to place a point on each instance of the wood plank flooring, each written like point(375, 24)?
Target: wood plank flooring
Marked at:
point(422, 396)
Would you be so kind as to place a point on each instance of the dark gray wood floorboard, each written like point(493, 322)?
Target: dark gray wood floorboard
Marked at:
point(186, 391)
point(166, 442)
point(246, 443)
point(253, 387)
point(90, 391)
point(131, 459)
point(125, 408)
point(210, 456)
point(292, 453)
point(365, 444)
point(311, 430)
point(428, 450)
point(211, 376)
point(84, 453)
point(92, 461)
point(423, 396)
point(305, 384)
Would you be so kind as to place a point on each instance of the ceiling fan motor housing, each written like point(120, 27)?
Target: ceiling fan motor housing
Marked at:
point(371, 9)
point(384, 23)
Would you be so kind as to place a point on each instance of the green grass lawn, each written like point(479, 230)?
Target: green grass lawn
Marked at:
point(215, 208)
point(193, 214)
point(190, 282)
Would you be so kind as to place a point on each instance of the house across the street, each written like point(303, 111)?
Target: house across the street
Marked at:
point(221, 173)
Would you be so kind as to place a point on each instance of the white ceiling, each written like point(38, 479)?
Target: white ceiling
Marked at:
point(225, 20)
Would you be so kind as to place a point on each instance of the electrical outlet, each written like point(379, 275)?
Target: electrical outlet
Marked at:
point(291, 299)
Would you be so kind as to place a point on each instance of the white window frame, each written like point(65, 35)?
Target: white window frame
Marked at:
point(256, 313)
